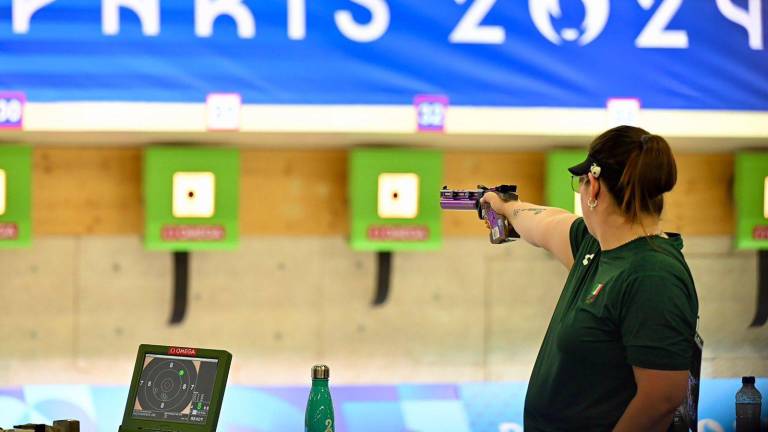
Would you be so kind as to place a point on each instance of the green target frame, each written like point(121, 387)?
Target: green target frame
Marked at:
point(191, 198)
point(751, 196)
point(558, 180)
point(385, 215)
point(15, 196)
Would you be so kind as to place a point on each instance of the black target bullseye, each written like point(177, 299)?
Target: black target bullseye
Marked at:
point(167, 385)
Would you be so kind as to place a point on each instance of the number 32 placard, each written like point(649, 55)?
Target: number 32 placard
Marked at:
point(430, 112)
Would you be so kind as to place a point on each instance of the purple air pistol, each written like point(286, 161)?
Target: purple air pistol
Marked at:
point(469, 199)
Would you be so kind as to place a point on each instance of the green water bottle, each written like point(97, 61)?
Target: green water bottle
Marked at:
point(319, 415)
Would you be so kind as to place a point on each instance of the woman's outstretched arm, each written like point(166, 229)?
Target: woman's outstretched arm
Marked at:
point(544, 227)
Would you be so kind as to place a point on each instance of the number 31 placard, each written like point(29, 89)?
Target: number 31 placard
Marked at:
point(223, 111)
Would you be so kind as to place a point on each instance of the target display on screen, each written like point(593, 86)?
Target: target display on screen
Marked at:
point(175, 388)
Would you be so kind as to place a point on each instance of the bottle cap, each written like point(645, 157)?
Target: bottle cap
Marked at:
point(67, 425)
point(748, 380)
point(320, 372)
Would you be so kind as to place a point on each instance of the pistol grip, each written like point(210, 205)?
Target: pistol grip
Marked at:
point(498, 224)
point(501, 230)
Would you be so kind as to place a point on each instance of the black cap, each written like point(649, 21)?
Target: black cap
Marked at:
point(598, 169)
point(748, 380)
point(582, 168)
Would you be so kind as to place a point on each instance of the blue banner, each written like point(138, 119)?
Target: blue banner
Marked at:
point(675, 54)
point(469, 407)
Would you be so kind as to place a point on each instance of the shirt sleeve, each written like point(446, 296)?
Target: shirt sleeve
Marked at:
point(657, 323)
point(578, 235)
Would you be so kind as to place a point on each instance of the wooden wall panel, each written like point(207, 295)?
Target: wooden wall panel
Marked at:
point(702, 201)
point(293, 192)
point(82, 191)
point(86, 191)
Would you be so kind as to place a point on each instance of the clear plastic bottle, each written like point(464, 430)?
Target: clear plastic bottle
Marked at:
point(748, 406)
point(319, 414)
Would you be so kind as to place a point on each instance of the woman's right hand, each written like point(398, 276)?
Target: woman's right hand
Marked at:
point(541, 226)
point(497, 204)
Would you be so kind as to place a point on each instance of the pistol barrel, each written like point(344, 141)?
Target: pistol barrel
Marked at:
point(451, 199)
point(450, 204)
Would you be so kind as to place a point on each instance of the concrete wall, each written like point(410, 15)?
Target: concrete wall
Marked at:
point(75, 309)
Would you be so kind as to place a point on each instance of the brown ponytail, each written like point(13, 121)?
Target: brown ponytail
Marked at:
point(646, 165)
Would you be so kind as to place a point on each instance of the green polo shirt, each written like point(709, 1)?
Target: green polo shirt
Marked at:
point(634, 305)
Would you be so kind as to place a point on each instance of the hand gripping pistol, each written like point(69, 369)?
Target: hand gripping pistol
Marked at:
point(469, 199)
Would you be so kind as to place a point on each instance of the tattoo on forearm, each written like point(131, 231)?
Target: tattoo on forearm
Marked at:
point(534, 210)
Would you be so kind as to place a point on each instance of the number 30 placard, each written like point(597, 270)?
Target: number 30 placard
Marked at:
point(12, 110)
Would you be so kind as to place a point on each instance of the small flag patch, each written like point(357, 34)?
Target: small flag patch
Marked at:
point(595, 292)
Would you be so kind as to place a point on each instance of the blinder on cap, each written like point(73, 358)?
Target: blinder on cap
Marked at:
point(592, 166)
point(595, 170)
point(588, 166)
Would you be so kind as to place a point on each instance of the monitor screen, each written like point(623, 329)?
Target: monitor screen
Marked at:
point(176, 389)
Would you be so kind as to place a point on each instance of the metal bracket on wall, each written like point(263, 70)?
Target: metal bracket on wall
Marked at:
point(180, 286)
point(383, 273)
point(761, 315)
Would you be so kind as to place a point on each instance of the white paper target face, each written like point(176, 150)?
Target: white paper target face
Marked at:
point(765, 199)
point(398, 195)
point(2, 192)
point(577, 204)
point(194, 194)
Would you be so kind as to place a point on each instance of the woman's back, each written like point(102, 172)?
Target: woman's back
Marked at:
point(634, 305)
